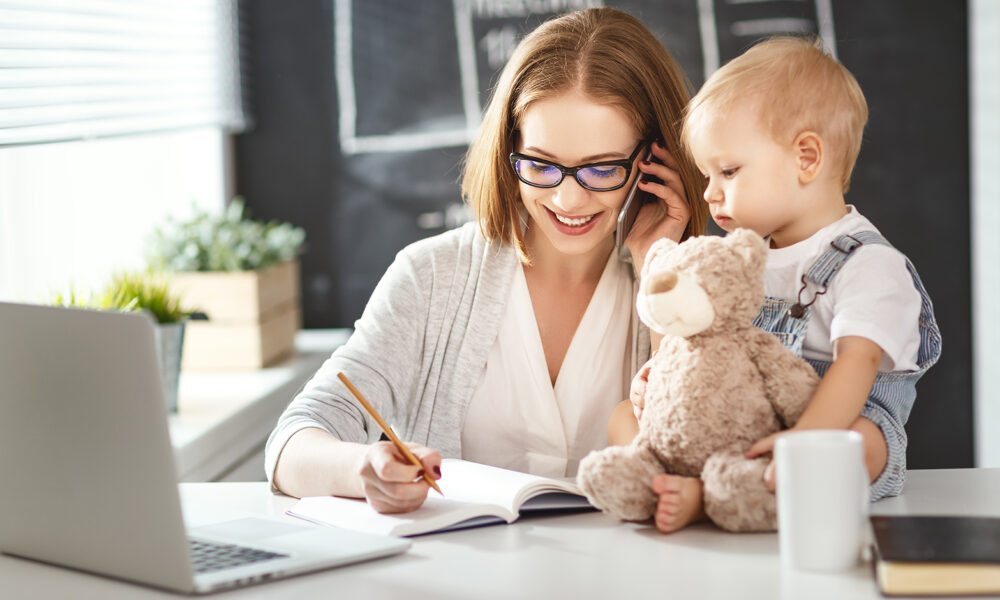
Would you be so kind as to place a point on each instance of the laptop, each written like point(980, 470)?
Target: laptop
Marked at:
point(88, 474)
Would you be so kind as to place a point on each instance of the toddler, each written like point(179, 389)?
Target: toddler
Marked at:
point(776, 133)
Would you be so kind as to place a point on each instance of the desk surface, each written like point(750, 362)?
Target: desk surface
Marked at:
point(587, 555)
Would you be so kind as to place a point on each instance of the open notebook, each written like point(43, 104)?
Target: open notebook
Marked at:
point(474, 494)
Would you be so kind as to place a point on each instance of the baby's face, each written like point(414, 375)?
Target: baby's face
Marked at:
point(752, 179)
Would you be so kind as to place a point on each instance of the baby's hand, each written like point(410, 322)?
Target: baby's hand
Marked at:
point(765, 446)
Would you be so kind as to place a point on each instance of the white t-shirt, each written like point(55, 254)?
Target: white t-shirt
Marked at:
point(517, 419)
point(872, 296)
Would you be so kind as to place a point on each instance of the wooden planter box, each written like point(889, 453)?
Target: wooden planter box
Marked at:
point(252, 316)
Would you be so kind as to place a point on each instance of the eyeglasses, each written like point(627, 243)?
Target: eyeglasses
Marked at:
point(603, 176)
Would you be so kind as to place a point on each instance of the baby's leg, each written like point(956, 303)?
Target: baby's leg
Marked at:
point(876, 448)
point(680, 502)
point(885, 450)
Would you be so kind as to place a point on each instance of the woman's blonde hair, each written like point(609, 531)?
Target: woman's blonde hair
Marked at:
point(794, 86)
point(613, 59)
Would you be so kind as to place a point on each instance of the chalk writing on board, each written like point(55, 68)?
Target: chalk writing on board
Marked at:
point(417, 78)
point(484, 32)
point(729, 26)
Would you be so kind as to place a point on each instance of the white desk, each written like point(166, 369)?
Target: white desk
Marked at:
point(576, 556)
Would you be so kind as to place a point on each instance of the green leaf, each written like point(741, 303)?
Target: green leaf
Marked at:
point(229, 241)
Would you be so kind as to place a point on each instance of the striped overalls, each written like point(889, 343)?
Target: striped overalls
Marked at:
point(893, 393)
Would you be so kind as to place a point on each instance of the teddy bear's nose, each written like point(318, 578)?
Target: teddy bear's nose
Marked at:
point(662, 283)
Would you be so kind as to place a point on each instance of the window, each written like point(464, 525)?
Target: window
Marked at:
point(113, 115)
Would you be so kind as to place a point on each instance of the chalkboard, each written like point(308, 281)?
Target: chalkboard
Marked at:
point(364, 108)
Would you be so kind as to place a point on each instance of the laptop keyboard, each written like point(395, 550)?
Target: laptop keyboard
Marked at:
point(212, 556)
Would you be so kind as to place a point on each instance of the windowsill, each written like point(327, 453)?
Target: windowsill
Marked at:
point(224, 417)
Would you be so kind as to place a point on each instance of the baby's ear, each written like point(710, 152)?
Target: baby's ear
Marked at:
point(808, 147)
point(749, 246)
point(659, 248)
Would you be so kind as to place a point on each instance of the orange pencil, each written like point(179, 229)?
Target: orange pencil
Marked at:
point(389, 432)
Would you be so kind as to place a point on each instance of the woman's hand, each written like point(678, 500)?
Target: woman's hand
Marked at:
point(390, 483)
point(666, 218)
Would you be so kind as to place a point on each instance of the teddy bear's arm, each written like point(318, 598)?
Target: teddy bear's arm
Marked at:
point(789, 381)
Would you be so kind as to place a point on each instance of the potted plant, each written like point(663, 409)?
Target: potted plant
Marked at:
point(243, 275)
point(149, 293)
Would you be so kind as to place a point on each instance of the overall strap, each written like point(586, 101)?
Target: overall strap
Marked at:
point(826, 266)
point(840, 251)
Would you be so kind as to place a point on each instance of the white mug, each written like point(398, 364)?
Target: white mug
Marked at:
point(822, 496)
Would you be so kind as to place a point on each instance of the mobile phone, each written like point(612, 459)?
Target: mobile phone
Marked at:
point(634, 200)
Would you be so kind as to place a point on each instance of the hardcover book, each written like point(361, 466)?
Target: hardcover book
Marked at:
point(936, 555)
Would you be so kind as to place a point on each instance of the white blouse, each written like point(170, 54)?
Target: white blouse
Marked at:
point(517, 419)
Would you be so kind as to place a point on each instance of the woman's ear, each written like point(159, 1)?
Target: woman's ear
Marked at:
point(808, 149)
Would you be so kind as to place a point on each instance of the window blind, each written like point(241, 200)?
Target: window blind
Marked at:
point(79, 69)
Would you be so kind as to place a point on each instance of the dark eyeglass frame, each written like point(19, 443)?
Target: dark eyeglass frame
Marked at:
point(572, 171)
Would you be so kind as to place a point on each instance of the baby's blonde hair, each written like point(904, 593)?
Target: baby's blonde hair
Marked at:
point(795, 86)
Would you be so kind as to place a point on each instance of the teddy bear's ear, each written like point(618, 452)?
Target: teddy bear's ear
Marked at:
point(659, 248)
point(749, 246)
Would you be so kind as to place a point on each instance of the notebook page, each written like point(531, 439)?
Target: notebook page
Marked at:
point(483, 484)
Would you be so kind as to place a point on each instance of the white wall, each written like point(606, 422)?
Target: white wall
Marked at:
point(72, 213)
point(984, 62)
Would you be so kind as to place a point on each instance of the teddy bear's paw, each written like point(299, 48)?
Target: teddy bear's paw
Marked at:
point(618, 481)
point(736, 498)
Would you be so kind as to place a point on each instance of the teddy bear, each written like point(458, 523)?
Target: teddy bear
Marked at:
point(716, 385)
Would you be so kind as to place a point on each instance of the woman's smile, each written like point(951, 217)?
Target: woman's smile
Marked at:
point(574, 225)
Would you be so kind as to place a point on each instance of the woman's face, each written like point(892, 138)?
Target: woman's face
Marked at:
point(570, 129)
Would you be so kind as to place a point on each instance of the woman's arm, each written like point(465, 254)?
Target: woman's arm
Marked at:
point(622, 425)
point(323, 442)
point(314, 463)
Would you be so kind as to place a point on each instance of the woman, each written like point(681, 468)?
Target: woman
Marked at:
point(509, 341)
